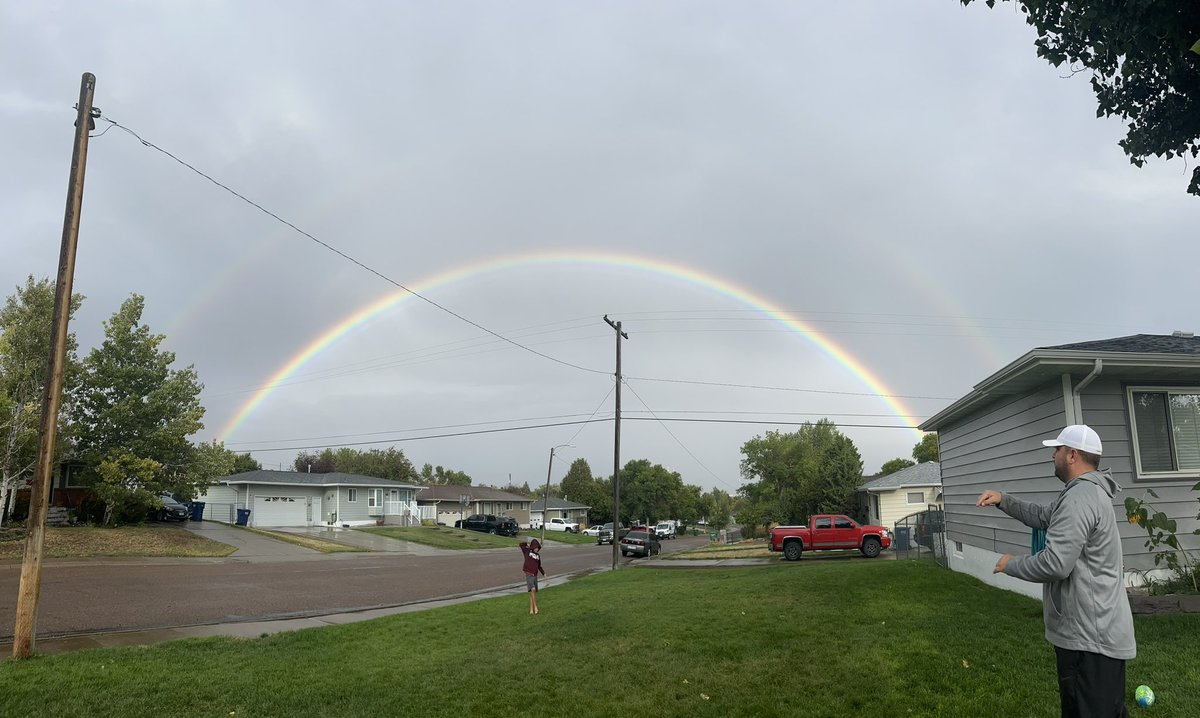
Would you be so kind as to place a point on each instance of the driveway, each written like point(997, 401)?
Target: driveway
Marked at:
point(251, 546)
point(365, 540)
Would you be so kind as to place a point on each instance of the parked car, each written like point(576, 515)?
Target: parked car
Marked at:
point(593, 530)
point(487, 523)
point(606, 535)
point(640, 543)
point(664, 530)
point(171, 509)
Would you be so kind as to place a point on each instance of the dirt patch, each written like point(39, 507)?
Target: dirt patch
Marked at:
point(87, 541)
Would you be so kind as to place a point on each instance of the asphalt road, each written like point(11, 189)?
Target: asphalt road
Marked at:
point(114, 595)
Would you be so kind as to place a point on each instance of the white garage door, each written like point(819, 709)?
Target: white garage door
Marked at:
point(284, 510)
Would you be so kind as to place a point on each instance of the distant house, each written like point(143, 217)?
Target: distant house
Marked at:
point(443, 503)
point(559, 508)
point(1140, 393)
point(293, 498)
point(904, 492)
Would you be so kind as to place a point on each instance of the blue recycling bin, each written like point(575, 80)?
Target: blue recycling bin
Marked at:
point(197, 511)
point(902, 542)
point(243, 517)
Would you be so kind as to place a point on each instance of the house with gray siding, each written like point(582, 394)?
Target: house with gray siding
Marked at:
point(559, 509)
point(1140, 393)
point(443, 504)
point(293, 498)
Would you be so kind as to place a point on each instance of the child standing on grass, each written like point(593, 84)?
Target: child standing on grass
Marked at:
point(533, 566)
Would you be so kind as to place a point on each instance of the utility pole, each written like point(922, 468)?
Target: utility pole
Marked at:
point(616, 535)
point(39, 496)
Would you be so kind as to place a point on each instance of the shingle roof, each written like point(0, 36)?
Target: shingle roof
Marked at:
point(557, 504)
point(299, 478)
point(442, 492)
point(1139, 344)
point(926, 473)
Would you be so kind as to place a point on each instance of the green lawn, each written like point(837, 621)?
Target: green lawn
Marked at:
point(88, 541)
point(847, 638)
point(446, 537)
point(560, 536)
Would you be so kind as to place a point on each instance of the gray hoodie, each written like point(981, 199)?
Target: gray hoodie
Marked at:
point(1083, 591)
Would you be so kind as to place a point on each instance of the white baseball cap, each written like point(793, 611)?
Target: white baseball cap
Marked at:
point(1080, 437)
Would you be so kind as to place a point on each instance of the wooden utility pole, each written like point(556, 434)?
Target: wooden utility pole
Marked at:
point(616, 534)
point(39, 497)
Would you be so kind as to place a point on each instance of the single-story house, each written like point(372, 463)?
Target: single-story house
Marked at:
point(1140, 393)
point(558, 509)
point(904, 492)
point(293, 498)
point(443, 503)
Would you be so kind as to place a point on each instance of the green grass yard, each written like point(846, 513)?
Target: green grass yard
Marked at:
point(848, 638)
point(446, 537)
point(88, 541)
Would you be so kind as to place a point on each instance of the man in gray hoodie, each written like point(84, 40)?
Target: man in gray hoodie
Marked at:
point(1083, 591)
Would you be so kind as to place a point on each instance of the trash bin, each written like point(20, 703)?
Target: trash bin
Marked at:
point(902, 538)
point(243, 518)
point(712, 535)
point(197, 511)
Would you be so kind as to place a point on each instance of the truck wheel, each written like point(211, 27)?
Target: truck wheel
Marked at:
point(870, 547)
point(792, 550)
point(492, 531)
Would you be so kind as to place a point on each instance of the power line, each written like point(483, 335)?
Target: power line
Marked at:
point(676, 438)
point(402, 439)
point(664, 414)
point(594, 412)
point(348, 258)
point(787, 388)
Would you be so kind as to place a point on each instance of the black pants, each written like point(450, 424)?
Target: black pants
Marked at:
point(1090, 685)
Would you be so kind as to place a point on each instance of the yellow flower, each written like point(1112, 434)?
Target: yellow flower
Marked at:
point(1135, 519)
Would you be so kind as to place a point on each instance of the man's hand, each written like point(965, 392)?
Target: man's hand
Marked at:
point(989, 498)
point(1002, 563)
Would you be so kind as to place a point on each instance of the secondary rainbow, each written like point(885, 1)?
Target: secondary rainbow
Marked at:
point(671, 269)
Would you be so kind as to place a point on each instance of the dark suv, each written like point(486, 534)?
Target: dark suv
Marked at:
point(487, 523)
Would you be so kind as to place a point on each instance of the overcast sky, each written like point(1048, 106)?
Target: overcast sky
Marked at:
point(904, 179)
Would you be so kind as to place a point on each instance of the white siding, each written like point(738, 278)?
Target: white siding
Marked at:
point(893, 505)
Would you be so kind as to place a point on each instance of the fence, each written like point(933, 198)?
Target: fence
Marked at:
point(922, 536)
point(225, 513)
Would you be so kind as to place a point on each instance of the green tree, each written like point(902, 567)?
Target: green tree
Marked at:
point(135, 414)
point(894, 465)
point(322, 463)
point(1144, 66)
point(688, 509)
point(243, 463)
point(718, 507)
point(794, 475)
point(25, 321)
point(649, 492)
point(580, 486)
point(926, 449)
point(389, 463)
point(208, 462)
point(442, 476)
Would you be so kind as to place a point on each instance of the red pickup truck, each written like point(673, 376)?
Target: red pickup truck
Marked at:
point(828, 532)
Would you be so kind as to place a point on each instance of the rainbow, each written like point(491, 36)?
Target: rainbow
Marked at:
point(678, 271)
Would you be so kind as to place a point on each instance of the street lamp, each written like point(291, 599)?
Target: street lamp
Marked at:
point(546, 496)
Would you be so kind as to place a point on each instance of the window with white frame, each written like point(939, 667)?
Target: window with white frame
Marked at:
point(374, 497)
point(352, 495)
point(916, 497)
point(1166, 429)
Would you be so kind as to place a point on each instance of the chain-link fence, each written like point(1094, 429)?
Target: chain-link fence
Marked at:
point(922, 536)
